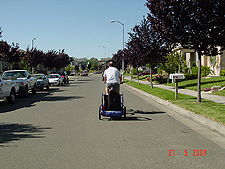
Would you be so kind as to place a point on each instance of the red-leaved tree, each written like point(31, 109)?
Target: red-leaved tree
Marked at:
point(198, 24)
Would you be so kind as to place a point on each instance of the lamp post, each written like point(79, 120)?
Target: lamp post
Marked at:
point(105, 53)
point(33, 42)
point(112, 21)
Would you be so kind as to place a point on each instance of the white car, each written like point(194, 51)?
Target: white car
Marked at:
point(55, 79)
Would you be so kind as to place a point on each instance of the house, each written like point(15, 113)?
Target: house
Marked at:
point(103, 63)
point(216, 63)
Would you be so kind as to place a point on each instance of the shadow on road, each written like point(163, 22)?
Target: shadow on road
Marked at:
point(40, 96)
point(130, 115)
point(144, 112)
point(130, 119)
point(16, 132)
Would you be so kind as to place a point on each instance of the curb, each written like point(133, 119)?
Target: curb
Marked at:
point(186, 113)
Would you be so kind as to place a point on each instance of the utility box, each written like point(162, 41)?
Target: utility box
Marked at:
point(177, 76)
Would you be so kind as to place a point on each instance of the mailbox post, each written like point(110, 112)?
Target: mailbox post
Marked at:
point(175, 77)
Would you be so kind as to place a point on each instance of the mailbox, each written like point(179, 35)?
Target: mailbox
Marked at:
point(177, 76)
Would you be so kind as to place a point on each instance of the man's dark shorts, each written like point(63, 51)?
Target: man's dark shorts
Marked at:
point(113, 86)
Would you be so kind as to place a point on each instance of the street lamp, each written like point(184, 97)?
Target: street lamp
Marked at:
point(104, 48)
point(105, 53)
point(112, 21)
point(33, 42)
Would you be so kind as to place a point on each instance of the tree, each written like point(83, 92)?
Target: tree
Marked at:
point(117, 58)
point(1, 32)
point(4, 49)
point(49, 59)
point(11, 53)
point(62, 59)
point(199, 25)
point(150, 46)
point(33, 57)
point(173, 62)
point(93, 64)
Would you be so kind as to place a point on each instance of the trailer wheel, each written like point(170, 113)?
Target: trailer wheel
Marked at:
point(99, 113)
point(124, 112)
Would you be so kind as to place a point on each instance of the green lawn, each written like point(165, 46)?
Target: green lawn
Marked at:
point(205, 83)
point(209, 109)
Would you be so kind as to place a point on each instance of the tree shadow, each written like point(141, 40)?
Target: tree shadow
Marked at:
point(15, 132)
point(35, 98)
point(195, 84)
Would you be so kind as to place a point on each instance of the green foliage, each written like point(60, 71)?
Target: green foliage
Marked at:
point(190, 76)
point(93, 63)
point(193, 64)
point(160, 70)
point(173, 63)
point(222, 72)
point(185, 67)
point(205, 71)
point(68, 69)
point(194, 70)
point(135, 71)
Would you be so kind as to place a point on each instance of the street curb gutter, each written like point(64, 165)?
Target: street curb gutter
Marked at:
point(197, 118)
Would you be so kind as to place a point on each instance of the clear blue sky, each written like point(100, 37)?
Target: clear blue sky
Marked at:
point(78, 26)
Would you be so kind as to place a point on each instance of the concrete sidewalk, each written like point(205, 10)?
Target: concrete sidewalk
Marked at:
point(206, 96)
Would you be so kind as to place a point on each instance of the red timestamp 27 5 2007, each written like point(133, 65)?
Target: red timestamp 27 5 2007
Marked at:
point(194, 152)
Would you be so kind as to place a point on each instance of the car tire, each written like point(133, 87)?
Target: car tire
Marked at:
point(47, 87)
point(42, 87)
point(25, 93)
point(12, 97)
point(34, 90)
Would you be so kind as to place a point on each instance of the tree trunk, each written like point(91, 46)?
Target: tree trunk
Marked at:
point(151, 75)
point(137, 76)
point(199, 77)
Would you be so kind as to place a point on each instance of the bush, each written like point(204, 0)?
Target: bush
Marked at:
point(222, 72)
point(194, 70)
point(205, 71)
point(161, 79)
point(191, 76)
point(135, 71)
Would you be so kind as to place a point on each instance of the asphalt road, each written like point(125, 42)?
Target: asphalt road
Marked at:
point(59, 128)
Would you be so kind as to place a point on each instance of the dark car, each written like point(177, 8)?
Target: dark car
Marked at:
point(147, 72)
point(84, 73)
point(42, 81)
point(64, 75)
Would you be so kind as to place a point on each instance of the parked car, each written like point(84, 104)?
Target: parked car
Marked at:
point(147, 72)
point(55, 79)
point(42, 81)
point(98, 72)
point(8, 89)
point(26, 82)
point(84, 73)
point(64, 75)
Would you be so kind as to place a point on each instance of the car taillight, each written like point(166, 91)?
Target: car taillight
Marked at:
point(62, 76)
